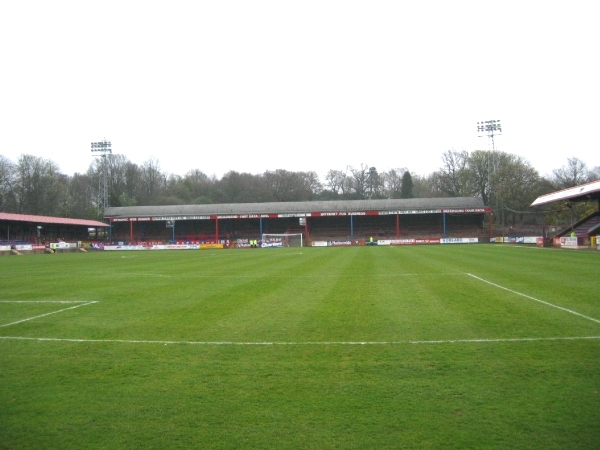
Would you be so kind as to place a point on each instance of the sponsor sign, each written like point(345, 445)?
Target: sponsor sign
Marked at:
point(62, 245)
point(410, 211)
point(569, 241)
point(244, 216)
point(173, 218)
point(407, 241)
point(243, 243)
point(271, 244)
point(181, 247)
point(427, 241)
point(402, 242)
point(124, 247)
point(319, 244)
point(291, 215)
point(469, 210)
point(421, 211)
point(4, 248)
point(327, 214)
point(459, 240)
point(532, 239)
point(341, 243)
point(210, 246)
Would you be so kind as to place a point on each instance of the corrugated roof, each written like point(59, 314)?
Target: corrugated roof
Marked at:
point(588, 191)
point(412, 204)
point(51, 220)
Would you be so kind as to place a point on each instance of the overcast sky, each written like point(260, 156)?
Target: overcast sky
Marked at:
point(304, 85)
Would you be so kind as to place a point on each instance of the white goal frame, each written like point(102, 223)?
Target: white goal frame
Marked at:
point(284, 236)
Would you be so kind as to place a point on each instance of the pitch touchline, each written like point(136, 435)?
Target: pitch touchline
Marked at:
point(298, 343)
point(47, 314)
point(44, 301)
point(535, 299)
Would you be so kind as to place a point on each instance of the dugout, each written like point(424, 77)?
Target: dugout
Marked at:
point(318, 220)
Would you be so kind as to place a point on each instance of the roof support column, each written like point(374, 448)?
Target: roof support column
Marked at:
point(130, 231)
point(306, 229)
point(444, 223)
point(216, 229)
point(397, 225)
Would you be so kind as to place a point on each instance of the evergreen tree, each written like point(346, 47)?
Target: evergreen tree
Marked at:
point(407, 186)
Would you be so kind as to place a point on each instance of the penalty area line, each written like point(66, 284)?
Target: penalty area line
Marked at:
point(301, 343)
point(47, 314)
point(534, 299)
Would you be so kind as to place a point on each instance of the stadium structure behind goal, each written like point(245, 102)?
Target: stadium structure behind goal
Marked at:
point(282, 240)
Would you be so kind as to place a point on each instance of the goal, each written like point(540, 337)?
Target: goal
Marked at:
point(282, 240)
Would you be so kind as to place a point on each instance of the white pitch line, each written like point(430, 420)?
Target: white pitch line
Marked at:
point(534, 299)
point(47, 314)
point(44, 301)
point(299, 343)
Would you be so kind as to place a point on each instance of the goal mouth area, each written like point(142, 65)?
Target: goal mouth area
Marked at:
point(282, 240)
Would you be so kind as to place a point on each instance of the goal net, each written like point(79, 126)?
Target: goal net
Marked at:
point(282, 240)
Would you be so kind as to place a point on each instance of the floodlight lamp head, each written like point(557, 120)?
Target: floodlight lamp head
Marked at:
point(102, 146)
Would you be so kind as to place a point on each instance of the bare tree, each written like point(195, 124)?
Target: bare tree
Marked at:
point(392, 182)
point(574, 173)
point(516, 186)
point(200, 186)
point(39, 186)
point(426, 186)
point(7, 176)
point(454, 176)
point(334, 181)
point(236, 187)
point(288, 186)
point(481, 169)
point(80, 197)
point(152, 181)
point(360, 180)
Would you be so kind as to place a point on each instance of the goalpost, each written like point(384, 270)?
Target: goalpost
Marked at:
point(282, 240)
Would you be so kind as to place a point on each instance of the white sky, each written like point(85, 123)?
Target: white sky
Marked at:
point(303, 85)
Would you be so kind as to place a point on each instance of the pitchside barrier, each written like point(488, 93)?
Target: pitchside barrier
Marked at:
point(463, 240)
point(287, 240)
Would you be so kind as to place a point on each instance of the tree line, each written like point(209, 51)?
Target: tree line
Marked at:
point(505, 182)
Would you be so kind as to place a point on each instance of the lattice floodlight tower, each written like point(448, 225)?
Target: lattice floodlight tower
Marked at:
point(102, 149)
point(491, 128)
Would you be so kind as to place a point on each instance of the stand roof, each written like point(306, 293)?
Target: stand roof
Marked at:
point(389, 206)
point(582, 193)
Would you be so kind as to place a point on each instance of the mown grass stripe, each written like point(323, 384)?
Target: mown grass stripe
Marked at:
point(301, 343)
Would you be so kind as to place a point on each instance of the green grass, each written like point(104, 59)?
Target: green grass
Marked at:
point(426, 347)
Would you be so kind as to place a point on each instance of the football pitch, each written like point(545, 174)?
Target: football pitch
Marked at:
point(424, 347)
